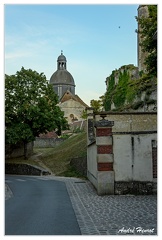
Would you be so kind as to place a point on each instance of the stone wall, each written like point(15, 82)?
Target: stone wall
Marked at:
point(47, 142)
point(134, 187)
point(24, 169)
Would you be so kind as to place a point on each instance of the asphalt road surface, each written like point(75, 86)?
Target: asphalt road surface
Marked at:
point(39, 206)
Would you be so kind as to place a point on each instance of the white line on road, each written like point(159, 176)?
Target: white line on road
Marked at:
point(21, 180)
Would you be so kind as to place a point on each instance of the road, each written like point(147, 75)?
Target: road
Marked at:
point(39, 206)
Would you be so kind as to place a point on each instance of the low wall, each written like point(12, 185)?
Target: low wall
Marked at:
point(134, 187)
point(24, 169)
point(47, 142)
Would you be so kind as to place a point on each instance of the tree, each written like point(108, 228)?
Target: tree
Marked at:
point(96, 105)
point(84, 114)
point(30, 107)
point(148, 32)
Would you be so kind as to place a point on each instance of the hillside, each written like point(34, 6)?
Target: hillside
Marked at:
point(57, 159)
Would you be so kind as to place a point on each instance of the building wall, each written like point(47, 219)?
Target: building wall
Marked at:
point(122, 158)
point(92, 163)
point(133, 157)
point(133, 138)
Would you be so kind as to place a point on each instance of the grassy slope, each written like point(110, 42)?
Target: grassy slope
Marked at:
point(57, 159)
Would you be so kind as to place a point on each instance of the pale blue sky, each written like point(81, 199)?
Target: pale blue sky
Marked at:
point(96, 39)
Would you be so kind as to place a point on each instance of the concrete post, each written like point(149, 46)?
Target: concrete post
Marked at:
point(105, 158)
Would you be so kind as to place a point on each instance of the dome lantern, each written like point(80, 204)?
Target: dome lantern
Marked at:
point(61, 62)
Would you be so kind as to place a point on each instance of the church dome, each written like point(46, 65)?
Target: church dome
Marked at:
point(62, 77)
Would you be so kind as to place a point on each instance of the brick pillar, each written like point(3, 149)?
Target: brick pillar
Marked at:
point(105, 159)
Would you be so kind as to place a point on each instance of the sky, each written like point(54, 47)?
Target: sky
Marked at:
point(95, 39)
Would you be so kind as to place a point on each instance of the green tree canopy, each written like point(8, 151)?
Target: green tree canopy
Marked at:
point(96, 105)
point(30, 107)
point(148, 31)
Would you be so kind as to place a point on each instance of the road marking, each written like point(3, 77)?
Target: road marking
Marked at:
point(43, 178)
point(33, 180)
point(21, 180)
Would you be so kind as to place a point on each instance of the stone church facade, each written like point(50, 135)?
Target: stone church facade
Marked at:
point(64, 86)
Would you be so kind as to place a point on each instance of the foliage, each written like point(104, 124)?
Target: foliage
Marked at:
point(121, 89)
point(117, 93)
point(148, 32)
point(108, 95)
point(65, 136)
point(30, 107)
point(84, 114)
point(127, 90)
point(96, 105)
point(77, 130)
point(131, 91)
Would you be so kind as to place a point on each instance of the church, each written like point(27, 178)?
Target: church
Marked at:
point(64, 86)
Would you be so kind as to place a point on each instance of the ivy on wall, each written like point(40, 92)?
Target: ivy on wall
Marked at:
point(125, 92)
point(120, 92)
point(108, 95)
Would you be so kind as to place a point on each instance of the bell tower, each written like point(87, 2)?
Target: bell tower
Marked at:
point(61, 62)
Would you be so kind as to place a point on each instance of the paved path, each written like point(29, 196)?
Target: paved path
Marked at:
point(110, 215)
point(39, 207)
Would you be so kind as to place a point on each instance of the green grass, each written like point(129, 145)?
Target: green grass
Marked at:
point(57, 159)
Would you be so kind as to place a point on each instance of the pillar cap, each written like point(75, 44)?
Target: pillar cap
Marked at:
point(104, 123)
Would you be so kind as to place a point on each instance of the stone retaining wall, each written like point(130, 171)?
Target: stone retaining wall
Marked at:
point(24, 169)
point(142, 188)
